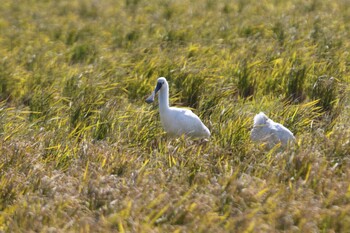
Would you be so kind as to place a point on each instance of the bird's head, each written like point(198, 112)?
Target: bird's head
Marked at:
point(161, 83)
point(260, 119)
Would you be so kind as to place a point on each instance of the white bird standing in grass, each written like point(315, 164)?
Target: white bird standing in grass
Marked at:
point(267, 131)
point(177, 121)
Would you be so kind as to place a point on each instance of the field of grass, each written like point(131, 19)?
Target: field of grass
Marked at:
point(82, 152)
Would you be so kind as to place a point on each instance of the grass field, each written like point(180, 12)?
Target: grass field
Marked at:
point(81, 151)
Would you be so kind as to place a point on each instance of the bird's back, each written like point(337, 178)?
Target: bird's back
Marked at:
point(283, 133)
point(179, 121)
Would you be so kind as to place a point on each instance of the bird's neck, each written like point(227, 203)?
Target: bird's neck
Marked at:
point(164, 100)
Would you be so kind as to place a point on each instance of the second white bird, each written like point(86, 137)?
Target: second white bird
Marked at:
point(267, 131)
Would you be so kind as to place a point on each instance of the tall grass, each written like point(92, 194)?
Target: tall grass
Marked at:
point(82, 152)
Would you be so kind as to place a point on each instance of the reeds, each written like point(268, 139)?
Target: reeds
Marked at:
point(82, 152)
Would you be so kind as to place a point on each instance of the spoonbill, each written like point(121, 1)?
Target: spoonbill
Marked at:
point(177, 121)
point(267, 131)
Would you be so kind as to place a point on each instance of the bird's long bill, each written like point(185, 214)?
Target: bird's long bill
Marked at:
point(150, 99)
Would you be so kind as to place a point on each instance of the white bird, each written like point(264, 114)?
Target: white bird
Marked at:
point(267, 131)
point(177, 121)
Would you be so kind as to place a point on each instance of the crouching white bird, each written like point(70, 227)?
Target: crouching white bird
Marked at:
point(177, 121)
point(267, 131)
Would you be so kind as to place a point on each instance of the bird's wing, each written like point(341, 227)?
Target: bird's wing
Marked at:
point(186, 119)
point(283, 133)
point(261, 133)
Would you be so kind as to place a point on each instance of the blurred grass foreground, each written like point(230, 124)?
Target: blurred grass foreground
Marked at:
point(82, 152)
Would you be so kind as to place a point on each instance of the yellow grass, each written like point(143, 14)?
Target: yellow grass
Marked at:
point(82, 152)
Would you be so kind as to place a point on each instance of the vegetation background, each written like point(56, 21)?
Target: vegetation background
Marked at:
point(82, 152)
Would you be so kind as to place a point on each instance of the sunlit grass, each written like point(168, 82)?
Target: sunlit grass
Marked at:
point(82, 152)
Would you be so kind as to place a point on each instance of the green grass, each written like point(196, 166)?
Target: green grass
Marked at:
point(82, 152)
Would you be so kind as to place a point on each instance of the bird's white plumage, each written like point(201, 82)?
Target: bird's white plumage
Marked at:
point(177, 121)
point(267, 131)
